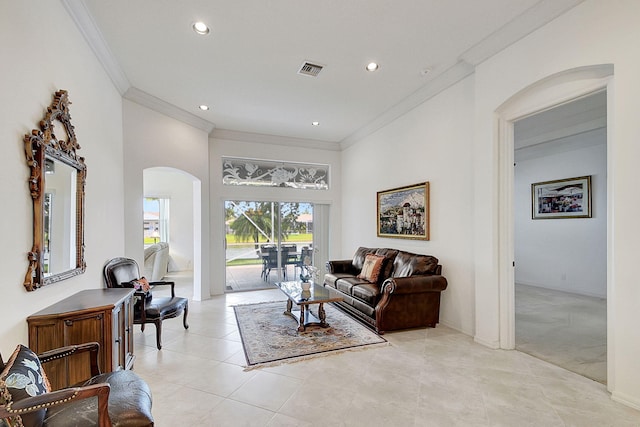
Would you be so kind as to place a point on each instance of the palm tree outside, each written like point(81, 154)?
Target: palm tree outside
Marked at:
point(257, 221)
point(249, 225)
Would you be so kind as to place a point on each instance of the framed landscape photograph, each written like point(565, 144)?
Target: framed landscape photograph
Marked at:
point(563, 198)
point(404, 212)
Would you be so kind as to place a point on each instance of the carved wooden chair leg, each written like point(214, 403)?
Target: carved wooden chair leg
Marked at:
point(158, 334)
point(184, 318)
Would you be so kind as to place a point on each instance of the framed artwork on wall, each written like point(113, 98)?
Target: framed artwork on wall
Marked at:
point(404, 212)
point(562, 198)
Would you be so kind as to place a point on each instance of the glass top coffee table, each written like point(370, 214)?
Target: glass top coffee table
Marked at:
point(316, 294)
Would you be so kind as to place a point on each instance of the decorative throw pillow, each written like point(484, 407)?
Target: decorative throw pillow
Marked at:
point(371, 268)
point(141, 284)
point(22, 377)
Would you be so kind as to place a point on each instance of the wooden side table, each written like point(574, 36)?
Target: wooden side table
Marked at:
point(101, 315)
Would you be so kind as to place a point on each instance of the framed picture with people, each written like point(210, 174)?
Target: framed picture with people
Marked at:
point(404, 212)
point(561, 198)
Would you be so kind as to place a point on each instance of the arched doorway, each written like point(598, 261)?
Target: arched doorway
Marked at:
point(176, 195)
point(543, 95)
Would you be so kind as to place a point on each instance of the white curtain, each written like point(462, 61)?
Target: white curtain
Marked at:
point(163, 220)
point(320, 237)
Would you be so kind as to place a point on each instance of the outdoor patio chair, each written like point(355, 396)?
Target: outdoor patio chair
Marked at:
point(264, 254)
point(306, 253)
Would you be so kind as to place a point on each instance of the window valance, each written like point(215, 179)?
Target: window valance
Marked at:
point(273, 173)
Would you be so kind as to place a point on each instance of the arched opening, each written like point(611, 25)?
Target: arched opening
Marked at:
point(172, 203)
point(553, 91)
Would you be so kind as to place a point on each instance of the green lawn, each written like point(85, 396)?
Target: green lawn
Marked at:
point(242, 261)
point(306, 238)
point(291, 238)
point(231, 239)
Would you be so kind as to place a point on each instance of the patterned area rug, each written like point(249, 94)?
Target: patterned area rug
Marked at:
point(270, 337)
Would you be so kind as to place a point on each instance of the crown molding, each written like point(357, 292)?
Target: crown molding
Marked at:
point(527, 22)
point(92, 34)
point(156, 104)
point(570, 140)
point(233, 135)
point(521, 26)
point(83, 19)
point(441, 82)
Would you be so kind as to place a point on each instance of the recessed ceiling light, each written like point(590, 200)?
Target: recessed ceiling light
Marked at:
point(315, 123)
point(204, 107)
point(372, 66)
point(201, 28)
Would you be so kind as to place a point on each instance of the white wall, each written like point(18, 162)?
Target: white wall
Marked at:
point(564, 254)
point(452, 141)
point(155, 140)
point(594, 32)
point(431, 143)
point(43, 52)
point(221, 146)
point(176, 186)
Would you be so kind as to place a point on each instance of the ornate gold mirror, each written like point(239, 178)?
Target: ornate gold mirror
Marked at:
point(57, 184)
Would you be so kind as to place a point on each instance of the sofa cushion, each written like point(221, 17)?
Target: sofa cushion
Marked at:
point(359, 257)
point(371, 268)
point(330, 279)
point(23, 377)
point(407, 264)
point(367, 292)
point(346, 284)
point(358, 260)
point(387, 267)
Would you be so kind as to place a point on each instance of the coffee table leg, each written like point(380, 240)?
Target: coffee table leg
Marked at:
point(303, 308)
point(322, 316)
point(289, 306)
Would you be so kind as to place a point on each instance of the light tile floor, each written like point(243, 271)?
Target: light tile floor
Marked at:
point(566, 329)
point(426, 377)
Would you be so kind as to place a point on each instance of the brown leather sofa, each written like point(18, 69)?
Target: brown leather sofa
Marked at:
point(405, 295)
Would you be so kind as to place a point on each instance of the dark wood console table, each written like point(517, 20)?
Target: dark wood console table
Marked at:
point(101, 315)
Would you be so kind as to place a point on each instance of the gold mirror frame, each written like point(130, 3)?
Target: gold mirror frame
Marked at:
point(42, 145)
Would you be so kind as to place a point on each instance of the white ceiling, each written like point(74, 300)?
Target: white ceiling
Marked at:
point(579, 116)
point(246, 67)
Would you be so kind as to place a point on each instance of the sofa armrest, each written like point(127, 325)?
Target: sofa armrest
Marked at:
point(409, 302)
point(340, 266)
point(414, 284)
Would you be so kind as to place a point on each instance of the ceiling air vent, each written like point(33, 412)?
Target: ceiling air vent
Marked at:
point(309, 69)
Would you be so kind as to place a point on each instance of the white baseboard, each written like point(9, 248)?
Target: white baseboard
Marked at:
point(450, 325)
point(495, 345)
point(625, 400)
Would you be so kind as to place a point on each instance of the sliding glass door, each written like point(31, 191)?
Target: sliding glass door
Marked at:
point(266, 242)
